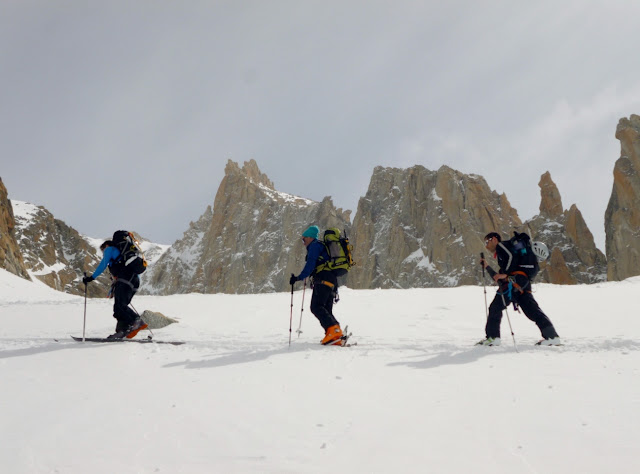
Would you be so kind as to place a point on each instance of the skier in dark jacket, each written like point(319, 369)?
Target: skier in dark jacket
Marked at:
point(125, 285)
point(324, 284)
point(514, 287)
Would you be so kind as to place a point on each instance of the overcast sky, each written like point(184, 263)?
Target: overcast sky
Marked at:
point(123, 114)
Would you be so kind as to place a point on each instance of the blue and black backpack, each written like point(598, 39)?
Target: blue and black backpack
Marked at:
point(131, 260)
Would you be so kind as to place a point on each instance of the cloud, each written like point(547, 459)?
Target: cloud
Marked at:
point(143, 103)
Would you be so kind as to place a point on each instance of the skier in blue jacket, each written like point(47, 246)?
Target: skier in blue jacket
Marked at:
point(324, 284)
point(124, 287)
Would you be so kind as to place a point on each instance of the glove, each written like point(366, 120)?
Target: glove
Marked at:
point(293, 279)
point(87, 279)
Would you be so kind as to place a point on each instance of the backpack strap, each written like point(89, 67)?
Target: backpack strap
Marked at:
point(322, 262)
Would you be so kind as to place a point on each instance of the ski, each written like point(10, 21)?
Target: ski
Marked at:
point(140, 341)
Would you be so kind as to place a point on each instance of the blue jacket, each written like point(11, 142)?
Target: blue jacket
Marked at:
point(316, 254)
point(110, 256)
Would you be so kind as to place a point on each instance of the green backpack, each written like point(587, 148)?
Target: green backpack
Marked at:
point(339, 250)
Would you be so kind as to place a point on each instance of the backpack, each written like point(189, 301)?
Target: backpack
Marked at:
point(339, 250)
point(131, 260)
point(526, 259)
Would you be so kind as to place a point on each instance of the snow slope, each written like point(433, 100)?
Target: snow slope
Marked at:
point(415, 395)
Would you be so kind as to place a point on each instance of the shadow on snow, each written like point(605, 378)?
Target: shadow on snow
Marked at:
point(244, 356)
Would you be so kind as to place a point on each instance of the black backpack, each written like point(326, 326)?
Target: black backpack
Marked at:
point(131, 260)
point(526, 259)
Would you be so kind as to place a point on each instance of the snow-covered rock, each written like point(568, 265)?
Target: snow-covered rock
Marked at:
point(58, 255)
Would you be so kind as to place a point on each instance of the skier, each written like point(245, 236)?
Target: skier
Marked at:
point(124, 287)
point(324, 284)
point(514, 287)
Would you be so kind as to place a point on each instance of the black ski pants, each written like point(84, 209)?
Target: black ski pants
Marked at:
point(529, 307)
point(324, 285)
point(123, 292)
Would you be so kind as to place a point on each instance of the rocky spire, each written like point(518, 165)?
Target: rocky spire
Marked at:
point(10, 255)
point(250, 241)
point(622, 217)
point(574, 256)
point(551, 202)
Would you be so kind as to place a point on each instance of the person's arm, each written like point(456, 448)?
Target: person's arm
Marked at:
point(486, 266)
point(312, 258)
point(506, 260)
point(110, 254)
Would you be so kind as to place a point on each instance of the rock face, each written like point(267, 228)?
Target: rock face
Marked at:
point(248, 243)
point(622, 218)
point(55, 253)
point(574, 255)
point(413, 228)
point(422, 228)
point(10, 255)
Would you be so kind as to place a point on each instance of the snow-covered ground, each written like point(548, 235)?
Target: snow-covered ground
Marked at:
point(414, 396)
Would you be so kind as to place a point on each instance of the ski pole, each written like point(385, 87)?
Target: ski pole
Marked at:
point(304, 288)
point(84, 321)
point(291, 315)
point(484, 287)
point(509, 320)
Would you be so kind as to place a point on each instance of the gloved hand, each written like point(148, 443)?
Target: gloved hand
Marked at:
point(87, 279)
point(293, 279)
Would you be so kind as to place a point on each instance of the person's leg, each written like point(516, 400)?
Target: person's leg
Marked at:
point(322, 304)
point(532, 311)
point(122, 296)
point(492, 328)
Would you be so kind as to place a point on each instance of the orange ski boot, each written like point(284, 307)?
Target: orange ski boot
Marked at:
point(333, 335)
point(136, 327)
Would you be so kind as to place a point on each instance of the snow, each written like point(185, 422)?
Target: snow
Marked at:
point(415, 395)
point(24, 210)
point(280, 196)
point(423, 261)
point(56, 267)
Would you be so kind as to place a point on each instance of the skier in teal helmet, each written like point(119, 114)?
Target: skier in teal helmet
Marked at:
point(324, 284)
